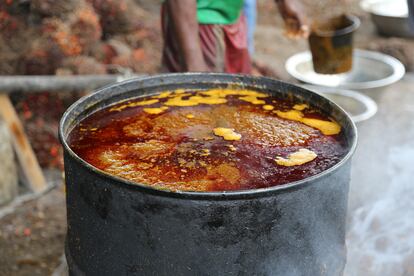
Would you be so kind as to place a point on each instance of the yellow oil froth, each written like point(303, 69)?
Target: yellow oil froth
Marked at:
point(214, 96)
point(179, 91)
point(300, 107)
point(163, 95)
point(194, 100)
point(179, 101)
point(147, 102)
point(252, 93)
point(133, 104)
point(155, 110)
point(252, 99)
point(182, 98)
point(208, 100)
point(293, 115)
point(326, 127)
point(227, 133)
point(222, 93)
point(300, 157)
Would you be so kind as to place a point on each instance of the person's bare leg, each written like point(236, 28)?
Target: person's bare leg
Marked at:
point(183, 14)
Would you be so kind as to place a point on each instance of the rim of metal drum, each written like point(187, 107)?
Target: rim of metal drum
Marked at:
point(302, 57)
point(224, 195)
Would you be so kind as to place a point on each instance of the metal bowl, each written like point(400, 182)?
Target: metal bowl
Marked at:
point(390, 17)
point(358, 106)
point(370, 70)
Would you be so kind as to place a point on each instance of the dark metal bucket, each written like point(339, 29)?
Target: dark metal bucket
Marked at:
point(116, 227)
point(331, 44)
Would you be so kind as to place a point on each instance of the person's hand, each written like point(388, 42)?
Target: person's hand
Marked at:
point(294, 17)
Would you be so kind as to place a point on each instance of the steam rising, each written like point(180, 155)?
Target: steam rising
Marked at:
point(381, 236)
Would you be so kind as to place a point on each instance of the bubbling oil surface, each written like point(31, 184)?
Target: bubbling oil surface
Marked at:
point(214, 140)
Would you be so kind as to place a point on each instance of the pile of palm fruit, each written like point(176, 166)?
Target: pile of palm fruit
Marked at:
point(70, 37)
point(39, 37)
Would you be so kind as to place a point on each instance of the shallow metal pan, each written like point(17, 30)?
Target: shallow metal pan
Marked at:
point(370, 70)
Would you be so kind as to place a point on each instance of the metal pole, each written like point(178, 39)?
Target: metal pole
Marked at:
point(71, 83)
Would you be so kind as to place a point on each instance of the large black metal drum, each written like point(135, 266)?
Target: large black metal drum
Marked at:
point(116, 227)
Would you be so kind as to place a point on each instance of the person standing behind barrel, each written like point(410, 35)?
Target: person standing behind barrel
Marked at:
point(211, 35)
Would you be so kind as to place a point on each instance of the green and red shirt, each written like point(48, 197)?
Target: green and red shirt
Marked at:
point(223, 12)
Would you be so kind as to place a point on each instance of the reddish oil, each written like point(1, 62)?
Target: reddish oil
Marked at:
point(171, 151)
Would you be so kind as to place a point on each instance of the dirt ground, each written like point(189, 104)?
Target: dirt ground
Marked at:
point(31, 237)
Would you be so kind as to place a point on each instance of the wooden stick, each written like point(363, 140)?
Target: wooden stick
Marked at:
point(24, 151)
